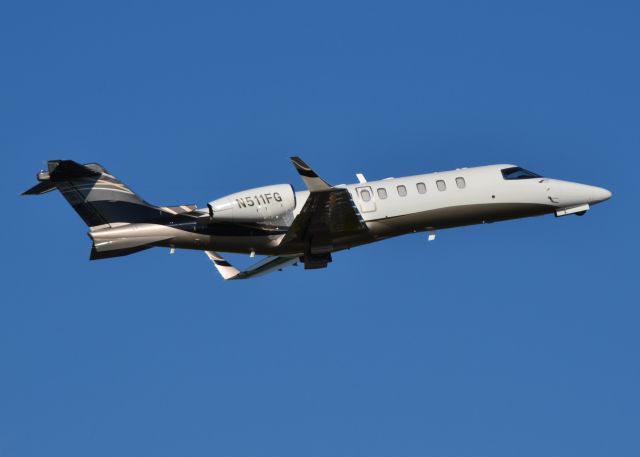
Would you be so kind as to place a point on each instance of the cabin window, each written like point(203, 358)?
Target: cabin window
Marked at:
point(461, 183)
point(422, 189)
point(402, 191)
point(382, 193)
point(441, 185)
point(365, 194)
point(518, 173)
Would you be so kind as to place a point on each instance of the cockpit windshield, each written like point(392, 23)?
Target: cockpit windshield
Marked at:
point(518, 173)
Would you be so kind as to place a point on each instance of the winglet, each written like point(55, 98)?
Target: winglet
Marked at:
point(313, 182)
point(265, 266)
point(226, 270)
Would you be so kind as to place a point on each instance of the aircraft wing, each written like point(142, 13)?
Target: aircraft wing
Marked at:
point(265, 266)
point(329, 213)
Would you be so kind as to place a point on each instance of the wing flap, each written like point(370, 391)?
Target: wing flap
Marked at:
point(328, 214)
point(332, 213)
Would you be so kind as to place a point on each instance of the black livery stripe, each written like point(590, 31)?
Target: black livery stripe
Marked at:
point(303, 168)
point(229, 229)
point(62, 170)
point(307, 173)
point(456, 216)
point(123, 211)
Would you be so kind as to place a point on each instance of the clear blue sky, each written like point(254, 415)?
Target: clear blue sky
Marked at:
point(514, 339)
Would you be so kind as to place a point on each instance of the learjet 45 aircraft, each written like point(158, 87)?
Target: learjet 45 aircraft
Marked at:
point(307, 226)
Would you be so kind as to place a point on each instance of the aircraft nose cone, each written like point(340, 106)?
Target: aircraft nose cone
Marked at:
point(600, 194)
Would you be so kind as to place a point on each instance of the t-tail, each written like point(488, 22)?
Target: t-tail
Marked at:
point(105, 204)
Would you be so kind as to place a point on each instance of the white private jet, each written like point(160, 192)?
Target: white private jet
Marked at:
point(307, 226)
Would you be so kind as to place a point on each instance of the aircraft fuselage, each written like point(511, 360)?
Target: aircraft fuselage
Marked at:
point(396, 206)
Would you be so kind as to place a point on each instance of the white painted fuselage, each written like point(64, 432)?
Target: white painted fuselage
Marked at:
point(426, 202)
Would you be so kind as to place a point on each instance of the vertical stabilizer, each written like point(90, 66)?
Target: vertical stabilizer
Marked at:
point(98, 197)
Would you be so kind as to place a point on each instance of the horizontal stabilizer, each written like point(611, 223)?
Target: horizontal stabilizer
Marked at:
point(63, 170)
point(265, 266)
point(40, 188)
point(60, 171)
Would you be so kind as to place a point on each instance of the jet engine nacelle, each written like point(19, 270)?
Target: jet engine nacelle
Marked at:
point(269, 203)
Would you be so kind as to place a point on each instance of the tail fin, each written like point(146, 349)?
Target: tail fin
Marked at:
point(98, 197)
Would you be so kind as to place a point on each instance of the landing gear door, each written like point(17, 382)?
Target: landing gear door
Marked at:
point(365, 198)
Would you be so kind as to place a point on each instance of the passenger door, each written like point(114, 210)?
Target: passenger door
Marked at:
point(365, 197)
